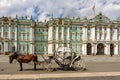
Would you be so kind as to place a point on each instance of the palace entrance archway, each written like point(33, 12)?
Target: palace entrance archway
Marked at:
point(100, 49)
point(89, 49)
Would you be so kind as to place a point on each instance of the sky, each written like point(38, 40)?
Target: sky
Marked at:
point(44, 9)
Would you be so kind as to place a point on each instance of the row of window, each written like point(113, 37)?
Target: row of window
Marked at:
point(6, 29)
point(41, 37)
point(24, 48)
point(6, 35)
point(41, 48)
point(24, 36)
point(20, 28)
point(79, 28)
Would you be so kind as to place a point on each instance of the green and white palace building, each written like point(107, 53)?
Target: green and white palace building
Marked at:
point(96, 36)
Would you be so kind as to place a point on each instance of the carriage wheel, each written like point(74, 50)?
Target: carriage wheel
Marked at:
point(79, 65)
point(76, 66)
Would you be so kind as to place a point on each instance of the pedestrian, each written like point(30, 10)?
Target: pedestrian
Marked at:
point(111, 54)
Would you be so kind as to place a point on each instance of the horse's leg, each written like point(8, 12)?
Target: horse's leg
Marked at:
point(21, 68)
point(34, 66)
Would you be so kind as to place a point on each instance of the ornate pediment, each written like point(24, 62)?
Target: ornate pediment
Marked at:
point(100, 18)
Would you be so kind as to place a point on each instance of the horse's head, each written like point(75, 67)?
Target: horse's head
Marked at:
point(12, 56)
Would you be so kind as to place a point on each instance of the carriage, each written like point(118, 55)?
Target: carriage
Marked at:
point(67, 59)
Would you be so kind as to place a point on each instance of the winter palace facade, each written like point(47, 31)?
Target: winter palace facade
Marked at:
point(96, 36)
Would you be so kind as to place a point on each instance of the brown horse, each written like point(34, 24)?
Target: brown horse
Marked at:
point(23, 59)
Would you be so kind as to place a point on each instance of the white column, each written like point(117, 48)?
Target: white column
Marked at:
point(15, 46)
point(9, 33)
point(95, 49)
point(5, 47)
point(108, 33)
point(15, 32)
point(68, 45)
point(92, 49)
point(16, 35)
point(2, 32)
point(56, 36)
point(83, 35)
point(107, 49)
point(50, 45)
point(93, 33)
point(31, 48)
point(31, 34)
point(86, 34)
point(98, 34)
point(62, 36)
point(84, 51)
point(115, 33)
point(50, 33)
point(85, 48)
point(68, 35)
point(116, 49)
point(32, 39)
point(102, 34)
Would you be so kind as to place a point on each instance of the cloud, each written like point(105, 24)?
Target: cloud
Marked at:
point(112, 10)
point(43, 9)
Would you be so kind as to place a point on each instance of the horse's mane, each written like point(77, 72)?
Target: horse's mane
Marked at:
point(15, 53)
